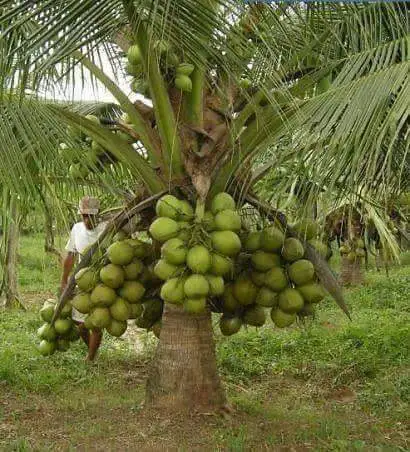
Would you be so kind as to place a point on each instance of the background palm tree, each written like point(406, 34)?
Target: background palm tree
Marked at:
point(326, 84)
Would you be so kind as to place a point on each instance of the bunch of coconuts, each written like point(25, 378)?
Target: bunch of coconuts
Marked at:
point(114, 292)
point(353, 249)
point(197, 249)
point(277, 276)
point(57, 337)
point(89, 156)
point(170, 66)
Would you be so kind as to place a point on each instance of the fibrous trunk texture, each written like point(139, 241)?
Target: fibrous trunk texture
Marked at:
point(10, 276)
point(351, 272)
point(183, 374)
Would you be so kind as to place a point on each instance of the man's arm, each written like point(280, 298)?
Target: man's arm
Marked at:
point(68, 265)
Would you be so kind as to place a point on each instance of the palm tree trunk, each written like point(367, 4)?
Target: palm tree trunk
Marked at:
point(49, 245)
point(184, 374)
point(10, 272)
point(351, 273)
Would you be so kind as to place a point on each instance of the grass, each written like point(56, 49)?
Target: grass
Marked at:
point(330, 385)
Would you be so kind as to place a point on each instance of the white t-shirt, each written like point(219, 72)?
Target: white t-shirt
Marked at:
point(81, 237)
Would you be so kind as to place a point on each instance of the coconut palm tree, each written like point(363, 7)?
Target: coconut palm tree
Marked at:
point(228, 82)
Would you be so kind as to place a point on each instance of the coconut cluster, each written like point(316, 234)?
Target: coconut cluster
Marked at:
point(171, 67)
point(353, 249)
point(116, 291)
point(57, 337)
point(277, 277)
point(197, 249)
point(88, 156)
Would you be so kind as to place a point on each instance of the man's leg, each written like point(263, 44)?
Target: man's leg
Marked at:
point(83, 331)
point(93, 344)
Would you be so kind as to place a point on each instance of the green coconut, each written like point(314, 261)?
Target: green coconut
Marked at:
point(209, 221)
point(220, 265)
point(196, 286)
point(186, 212)
point(77, 171)
point(116, 328)
point(172, 290)
point(258, 278)
point(47, 312)
point(185, 68)
point(134, 55)
point(272, 239)
point(227, 220)
point(263, 261)
point(62, 345)
point(320, 247)
point(292, 250)
point(63, 326)
point(254, 316)
point(301, 271)
point(184, 83)
point(282, 319)
point(290, 301)
point(306, 229)
point(46, 348)
point(230, 303)
point(47, 332)
point(253, 241)
point(141, 249)
point(132, 291)
point(244, 290)
point(184, 233)
point(168, 206)
point(312, 292)
point(133, 269)
point(86, 279)
point(266, 298)
point(88, 323)
point(216, 285)
point(164, 270)
point(174, 251)
point(275, 279)
point(222, 201)
point(226, 242)
point(120, 309)
point(199, 259)
point(82, 302)
point(102, 295)
point(112, 276)
point(65, 311)
point(163, 229)
point(135, 310)
point(195, 305)
point(100, 317)
point(229, 325)
point(120, 253)
point(344, 249)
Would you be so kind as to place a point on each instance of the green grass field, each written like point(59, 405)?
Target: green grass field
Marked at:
point(330, 385)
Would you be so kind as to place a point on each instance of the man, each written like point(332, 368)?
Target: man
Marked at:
point(83, 234)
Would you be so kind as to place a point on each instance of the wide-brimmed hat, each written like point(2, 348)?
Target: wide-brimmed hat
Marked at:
point(88, 206)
